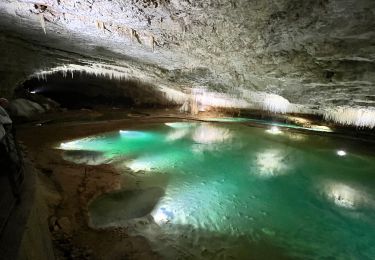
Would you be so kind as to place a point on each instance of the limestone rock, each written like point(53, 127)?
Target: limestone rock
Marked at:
point(24, 108)
point(313, 54)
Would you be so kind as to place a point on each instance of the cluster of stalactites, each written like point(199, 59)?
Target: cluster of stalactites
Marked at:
point(355, 116)
point(98, 70)
point(273, 103)
point(199, 98)
point(247, 100)
point(113, 73)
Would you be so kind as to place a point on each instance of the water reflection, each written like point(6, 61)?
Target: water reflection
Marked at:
point(177, 134)
point(272, 162)
point(347, 196)
point(162, 161)
point(296, 136)
point(181, 124)
point(274, 130)
point(210, 134)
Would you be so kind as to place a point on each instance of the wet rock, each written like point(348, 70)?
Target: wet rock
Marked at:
point(46, 171)
point(205, 252)
point(25, 109)
point(52, 221)
point(65, 225)
point(85, 157)
point(117, 208)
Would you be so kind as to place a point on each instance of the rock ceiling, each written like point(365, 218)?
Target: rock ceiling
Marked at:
point(317, 54)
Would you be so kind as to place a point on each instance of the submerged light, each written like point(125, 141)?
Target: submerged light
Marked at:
point(162, 215)
point(140, 165)
point(72, 145)
point(274, 130)
point(341, 153)
point(133, 134)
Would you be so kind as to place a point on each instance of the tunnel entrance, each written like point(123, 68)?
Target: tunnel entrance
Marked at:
point(82, 90)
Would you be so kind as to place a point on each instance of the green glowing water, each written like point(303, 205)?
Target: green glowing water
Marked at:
point(283, 192)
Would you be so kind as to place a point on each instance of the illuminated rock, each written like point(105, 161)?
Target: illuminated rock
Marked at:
point(280, 57)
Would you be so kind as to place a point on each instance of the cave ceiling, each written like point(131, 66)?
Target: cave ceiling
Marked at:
point(316, 54)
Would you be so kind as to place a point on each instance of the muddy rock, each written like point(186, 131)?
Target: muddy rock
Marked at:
point(65, 225)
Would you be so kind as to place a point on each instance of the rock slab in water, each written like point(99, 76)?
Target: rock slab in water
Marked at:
point(23, 108)
point(117, 208)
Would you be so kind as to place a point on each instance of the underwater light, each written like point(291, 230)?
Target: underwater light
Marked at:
point(163, 215)
point(274, 130)
point(160, 161)
point(341, 153)
point(140, 165)
point(72, 145)
point(133, 134)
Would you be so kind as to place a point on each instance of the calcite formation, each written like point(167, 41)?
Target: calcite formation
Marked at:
point(313, 56)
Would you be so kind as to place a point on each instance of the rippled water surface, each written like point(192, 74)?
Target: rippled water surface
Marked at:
point(229, 190)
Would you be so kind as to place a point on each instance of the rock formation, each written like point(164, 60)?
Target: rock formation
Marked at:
point(314, 56)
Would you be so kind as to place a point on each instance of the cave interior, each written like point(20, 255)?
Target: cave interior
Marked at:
point(187, 129)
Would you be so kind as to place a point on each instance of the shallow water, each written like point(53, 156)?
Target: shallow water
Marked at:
point(236, 191)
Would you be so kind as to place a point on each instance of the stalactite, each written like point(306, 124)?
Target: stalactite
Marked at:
point(275, 103)
point(200, 98)
point(360, 117)
point(42, 22)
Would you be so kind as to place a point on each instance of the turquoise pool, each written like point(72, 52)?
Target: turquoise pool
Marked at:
point(226, 190)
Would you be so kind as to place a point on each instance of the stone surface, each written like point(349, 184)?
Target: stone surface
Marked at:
point(319, 54)
point(65, 225)
point(25, 108)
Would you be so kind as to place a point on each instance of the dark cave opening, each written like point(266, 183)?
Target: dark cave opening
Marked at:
point(85, 91)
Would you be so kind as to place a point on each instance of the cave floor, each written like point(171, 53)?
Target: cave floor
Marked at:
point(68, 190)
